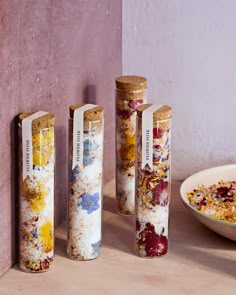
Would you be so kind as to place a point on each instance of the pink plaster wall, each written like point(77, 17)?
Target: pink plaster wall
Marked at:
point(186, 49)
point(52, 54)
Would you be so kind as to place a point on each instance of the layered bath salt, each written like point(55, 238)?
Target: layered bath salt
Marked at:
point(152, 180)
point(86, 125)
point(130, 93)
point(37, 161)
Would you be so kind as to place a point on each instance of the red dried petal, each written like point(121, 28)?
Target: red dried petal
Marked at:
point(223, 191)
point(134, 103)
point(150, 227)
point(159, 193)
point(144, 235)
point(202, 203)
point(138, 225)
point(44, 264)
point(156, 245)
point(157, 133)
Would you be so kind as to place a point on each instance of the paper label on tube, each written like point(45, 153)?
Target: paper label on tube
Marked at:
point(147, 136)
point(27, 147)
point(78, 133)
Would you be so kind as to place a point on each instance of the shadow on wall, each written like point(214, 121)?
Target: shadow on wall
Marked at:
point(89, 94)
point(15, 163)
point(61, 173)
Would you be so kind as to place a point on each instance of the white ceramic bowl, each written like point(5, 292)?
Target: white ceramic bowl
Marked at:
point(208, 177)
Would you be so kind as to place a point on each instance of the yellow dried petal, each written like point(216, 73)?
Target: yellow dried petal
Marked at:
point(46, 236)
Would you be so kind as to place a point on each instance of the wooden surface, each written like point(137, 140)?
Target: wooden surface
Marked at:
point(53, 54)
point(199, 261)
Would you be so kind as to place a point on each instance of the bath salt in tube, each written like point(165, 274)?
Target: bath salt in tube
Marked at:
point(86, 125)
point(37, 161)
point(153, 180)
point(130, 93)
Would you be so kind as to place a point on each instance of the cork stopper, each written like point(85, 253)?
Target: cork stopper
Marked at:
point(46, 121)
point(94, 114)
point(131, 83)
point(164, 113)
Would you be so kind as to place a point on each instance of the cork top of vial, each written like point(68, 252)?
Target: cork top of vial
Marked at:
point(94, 114)
point(131, 83)
point(46, 121)
point(163, 113)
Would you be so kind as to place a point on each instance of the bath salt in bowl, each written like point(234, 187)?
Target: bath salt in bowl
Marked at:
point(211, 197)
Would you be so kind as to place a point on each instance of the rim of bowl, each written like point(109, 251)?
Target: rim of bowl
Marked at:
point(184, 199)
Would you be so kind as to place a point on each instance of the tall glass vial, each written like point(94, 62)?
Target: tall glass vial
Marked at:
point(37, 160)
point(153, 180)
point(130, 93)
point(86, 126)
